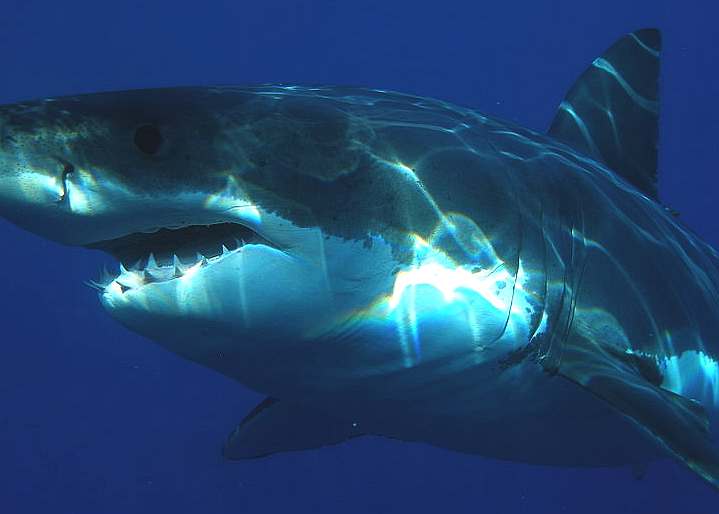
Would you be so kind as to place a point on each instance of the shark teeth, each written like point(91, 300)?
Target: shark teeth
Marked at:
point(137, 275)
point(178, 268)
point(151, 262)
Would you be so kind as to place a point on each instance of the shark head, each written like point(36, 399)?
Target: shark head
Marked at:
point(251, 223)
point(215, 202)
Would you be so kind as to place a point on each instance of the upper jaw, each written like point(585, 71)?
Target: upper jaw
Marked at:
point(187, 242)
point(169, 254)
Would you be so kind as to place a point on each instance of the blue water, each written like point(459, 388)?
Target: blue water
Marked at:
point(94, 419)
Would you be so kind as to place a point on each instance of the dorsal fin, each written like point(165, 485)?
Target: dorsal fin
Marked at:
point(611, 113)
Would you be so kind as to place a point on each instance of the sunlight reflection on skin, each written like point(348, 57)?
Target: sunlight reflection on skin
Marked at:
point(693, 374)
point(434, 290)
point(36, 187)
point(233, 198)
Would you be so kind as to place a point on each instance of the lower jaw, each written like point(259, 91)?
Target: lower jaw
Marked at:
point(154, 270)
point(256, 292)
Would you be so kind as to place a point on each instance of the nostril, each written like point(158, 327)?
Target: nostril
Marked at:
point(67, 168)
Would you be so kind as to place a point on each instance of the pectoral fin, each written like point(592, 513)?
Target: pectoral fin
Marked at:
point(276, 426)
point(677, 423)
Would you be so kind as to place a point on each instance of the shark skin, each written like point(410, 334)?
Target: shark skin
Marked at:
point(380, 263)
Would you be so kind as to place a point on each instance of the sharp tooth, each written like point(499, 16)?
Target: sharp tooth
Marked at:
point(179, 268)
point(225, 251)
point(123, 270)
point(151, 262)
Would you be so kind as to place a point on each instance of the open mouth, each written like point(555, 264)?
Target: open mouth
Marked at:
point(167, 253)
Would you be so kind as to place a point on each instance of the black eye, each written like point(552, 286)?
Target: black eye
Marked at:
point(148, 139)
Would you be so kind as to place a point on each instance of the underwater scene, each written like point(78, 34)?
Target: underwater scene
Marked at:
point(359, 257)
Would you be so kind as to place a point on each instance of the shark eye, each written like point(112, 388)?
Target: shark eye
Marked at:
point(148, 139)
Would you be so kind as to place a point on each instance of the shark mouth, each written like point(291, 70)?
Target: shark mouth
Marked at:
point(168, 253)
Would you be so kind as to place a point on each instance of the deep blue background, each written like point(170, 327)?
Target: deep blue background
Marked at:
point(94, 419)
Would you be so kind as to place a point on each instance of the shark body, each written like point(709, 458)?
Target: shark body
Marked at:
point(380, 263)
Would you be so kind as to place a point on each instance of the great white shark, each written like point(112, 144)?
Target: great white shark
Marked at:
point(380, 263)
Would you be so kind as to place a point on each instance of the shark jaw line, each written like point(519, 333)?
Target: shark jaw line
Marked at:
point(171, 253)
